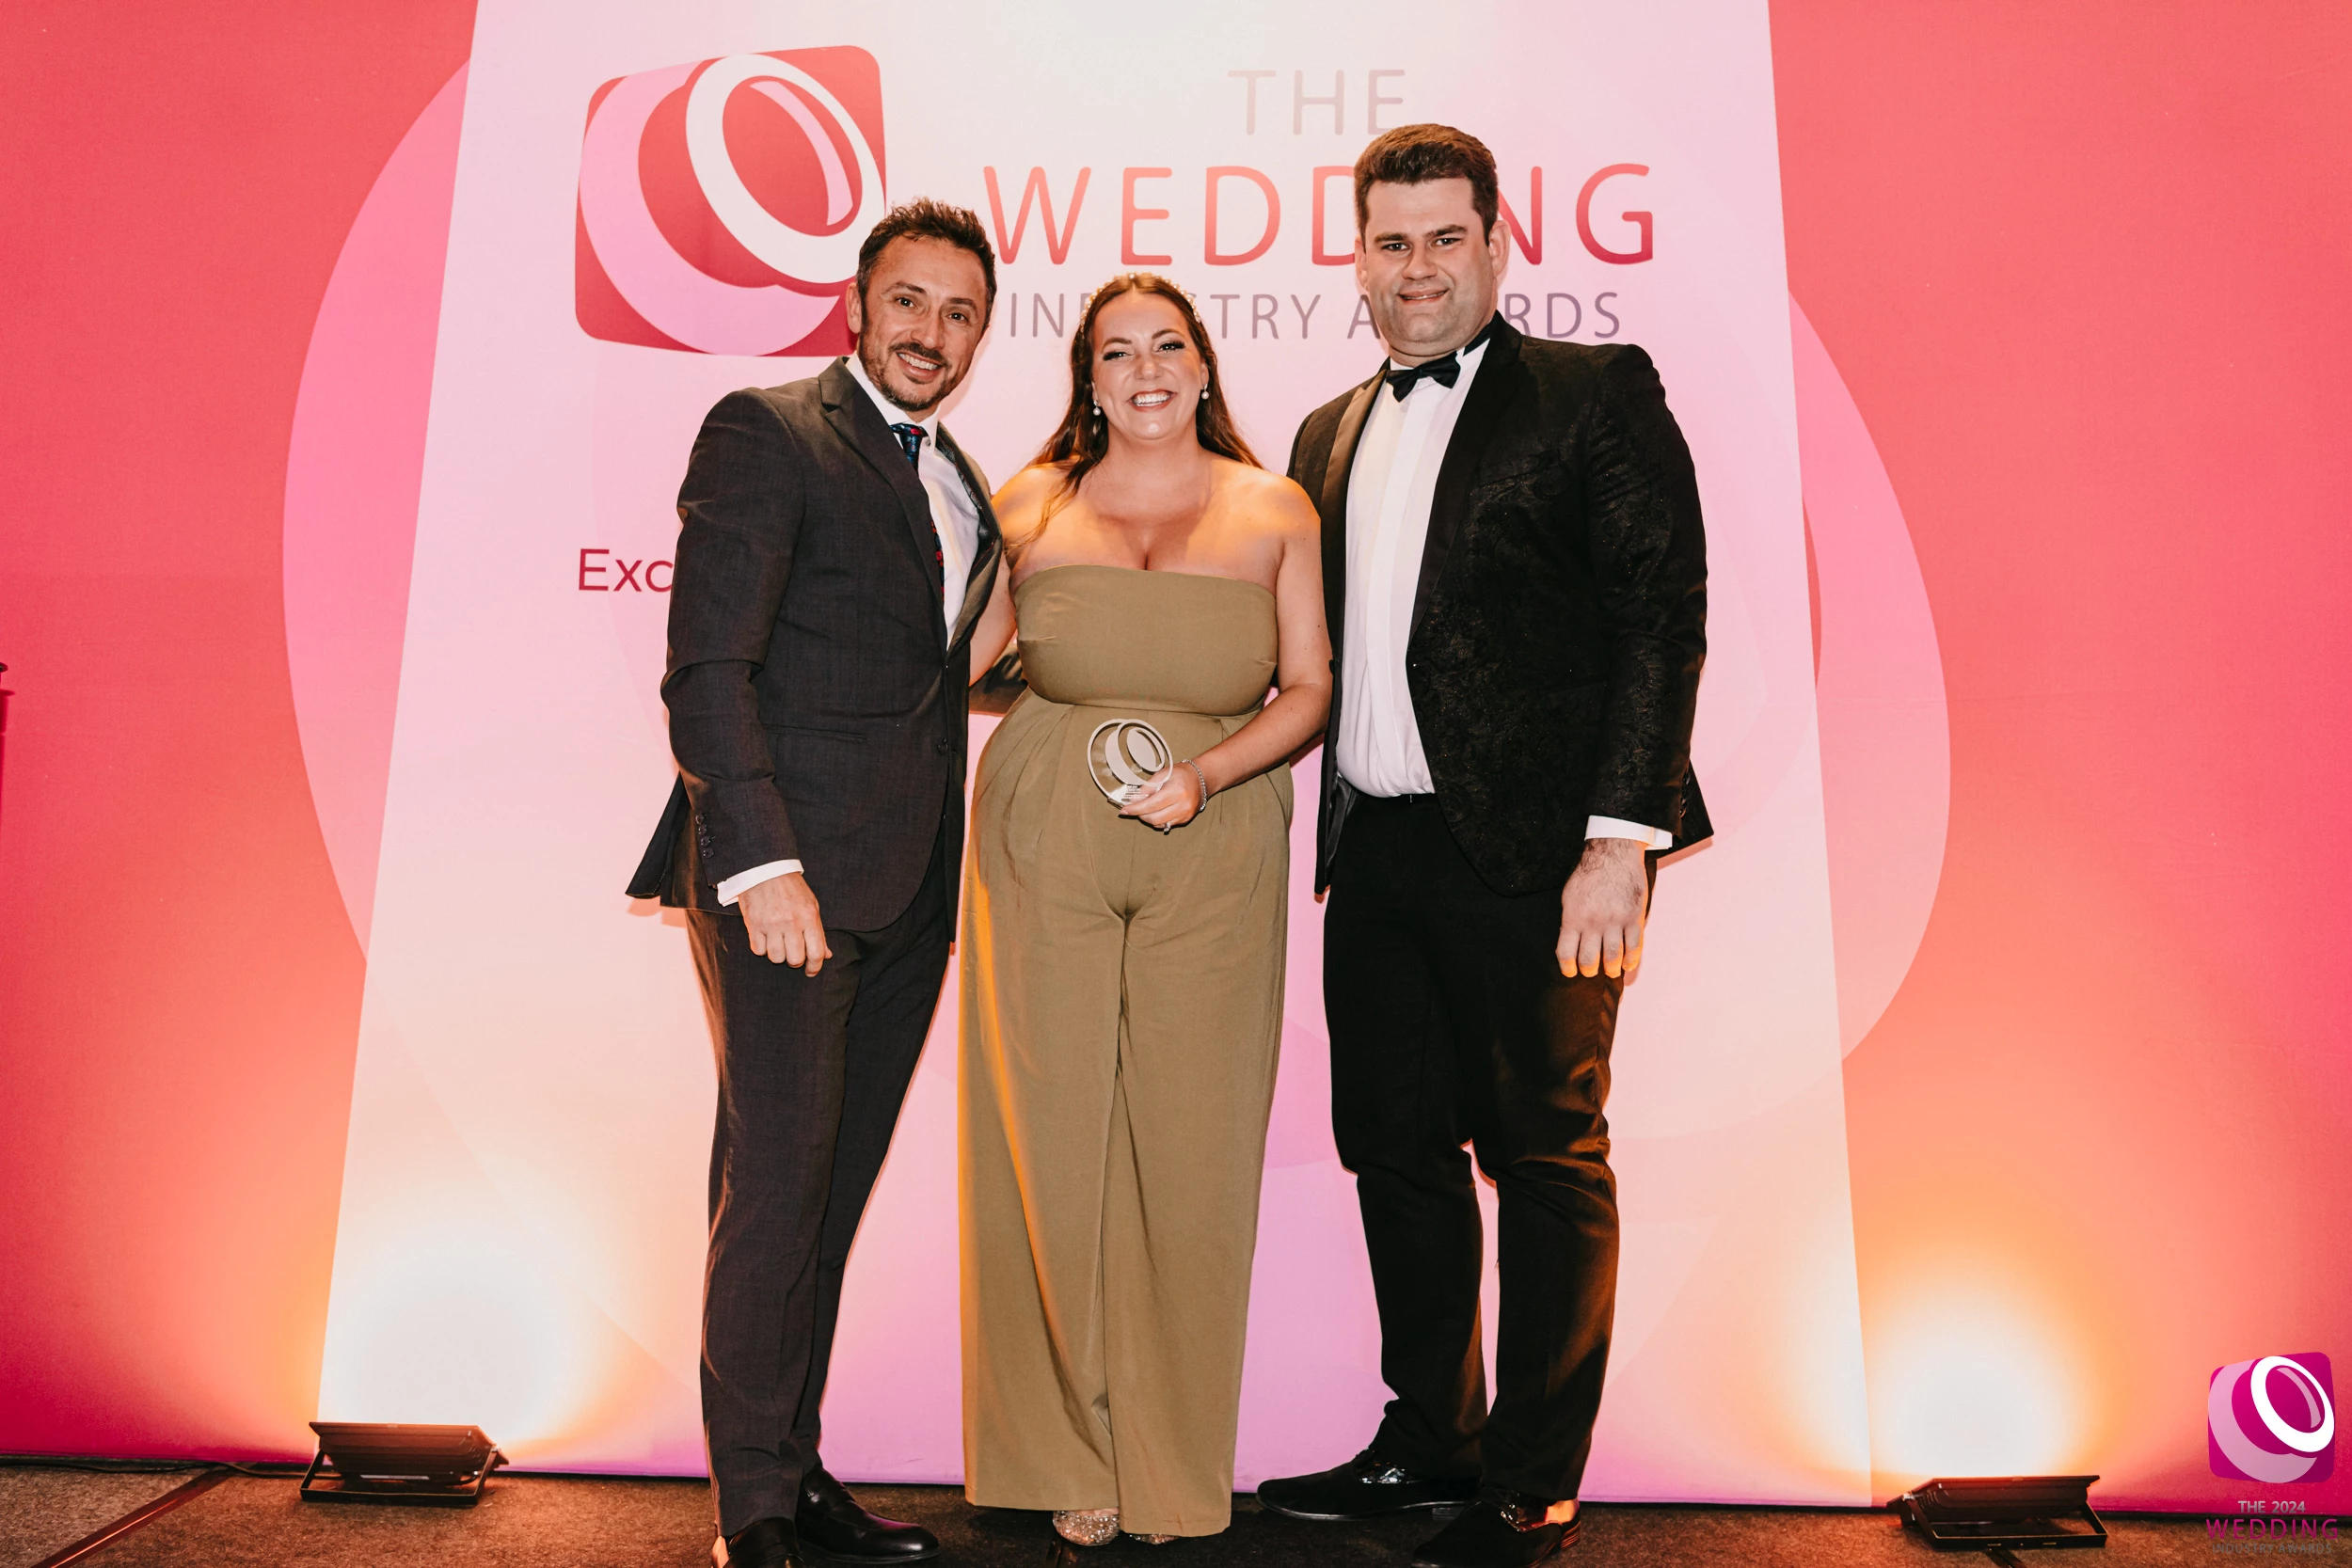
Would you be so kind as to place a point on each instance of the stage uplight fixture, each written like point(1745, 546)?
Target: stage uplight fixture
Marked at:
point(392, 1462)
point(1999, 1514)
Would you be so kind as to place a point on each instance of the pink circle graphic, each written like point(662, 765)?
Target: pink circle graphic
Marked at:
point(679, 299)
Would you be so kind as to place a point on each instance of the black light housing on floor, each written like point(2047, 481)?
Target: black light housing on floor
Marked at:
point(2003, 1514)
point(391, 1462)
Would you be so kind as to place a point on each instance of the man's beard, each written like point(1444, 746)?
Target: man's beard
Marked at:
point(878, 368)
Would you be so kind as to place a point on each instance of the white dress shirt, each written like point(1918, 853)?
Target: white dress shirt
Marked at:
point(953, 512)
point(957, 517)
point(1391, 486)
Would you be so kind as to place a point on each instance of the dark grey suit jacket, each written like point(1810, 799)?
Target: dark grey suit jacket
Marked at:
point(817, 693)
point(1560, 619)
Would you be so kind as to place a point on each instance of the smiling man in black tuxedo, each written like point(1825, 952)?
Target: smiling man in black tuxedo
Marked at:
point(837, 547)
point(1516, 580)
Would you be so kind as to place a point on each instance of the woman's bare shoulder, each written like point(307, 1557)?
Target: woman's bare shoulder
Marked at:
point(1021, 502)
point(1031, 486)
point(1272, 500)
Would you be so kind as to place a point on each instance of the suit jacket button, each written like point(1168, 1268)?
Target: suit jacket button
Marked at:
point(943, 745)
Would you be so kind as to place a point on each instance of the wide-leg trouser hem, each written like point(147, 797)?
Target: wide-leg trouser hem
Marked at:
point(1141, 1523)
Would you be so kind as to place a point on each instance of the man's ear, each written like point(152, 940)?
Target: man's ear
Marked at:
point(854, 308)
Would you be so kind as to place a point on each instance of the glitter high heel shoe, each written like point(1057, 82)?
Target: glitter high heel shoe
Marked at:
point(1088, 1527)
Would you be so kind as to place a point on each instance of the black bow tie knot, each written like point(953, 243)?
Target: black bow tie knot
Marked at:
point(1445, 370)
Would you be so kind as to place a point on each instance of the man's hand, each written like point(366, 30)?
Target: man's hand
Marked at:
point(1602, 909)
point(781, 915)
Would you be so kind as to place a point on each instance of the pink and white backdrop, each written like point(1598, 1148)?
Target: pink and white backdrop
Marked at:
point(2002, 919)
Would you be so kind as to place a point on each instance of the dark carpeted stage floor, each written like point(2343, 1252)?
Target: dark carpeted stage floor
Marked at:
point(564, 1522)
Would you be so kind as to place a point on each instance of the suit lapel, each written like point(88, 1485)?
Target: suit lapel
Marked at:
point(1490, 393)
point(1333, 504)
point(987, 541)
point(860, 425)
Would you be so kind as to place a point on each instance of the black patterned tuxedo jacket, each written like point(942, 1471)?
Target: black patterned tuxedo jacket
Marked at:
point(817, 692)
point(1560, 619)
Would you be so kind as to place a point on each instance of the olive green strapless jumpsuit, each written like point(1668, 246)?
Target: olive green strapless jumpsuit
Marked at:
point(1121, 1009)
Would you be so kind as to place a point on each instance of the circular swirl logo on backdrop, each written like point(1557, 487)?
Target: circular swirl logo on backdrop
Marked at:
point(721, 204)
point(2273, 1419)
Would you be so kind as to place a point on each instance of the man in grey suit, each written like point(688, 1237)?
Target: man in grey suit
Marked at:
point(837, 548)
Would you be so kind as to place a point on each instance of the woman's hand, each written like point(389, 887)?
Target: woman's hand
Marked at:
point(1173, 797)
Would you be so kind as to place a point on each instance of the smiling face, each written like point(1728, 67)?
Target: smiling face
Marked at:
point(920, 321)
point(1148, 374)
point(1428, 266)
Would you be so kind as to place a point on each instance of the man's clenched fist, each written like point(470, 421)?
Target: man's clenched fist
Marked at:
point(781, 915)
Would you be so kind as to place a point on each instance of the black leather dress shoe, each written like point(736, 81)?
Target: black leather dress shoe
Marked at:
point(1365, 1487)
point(834, 1529)
point(765, 1544)
point(1502, 1529)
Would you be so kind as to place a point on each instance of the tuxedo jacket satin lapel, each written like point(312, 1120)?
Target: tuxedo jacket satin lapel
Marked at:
point(1490, 392)
point(1328, 487)
point(1332, 496)
point(853, 416)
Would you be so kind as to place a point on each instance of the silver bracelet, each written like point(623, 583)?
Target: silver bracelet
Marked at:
point(1204, 783)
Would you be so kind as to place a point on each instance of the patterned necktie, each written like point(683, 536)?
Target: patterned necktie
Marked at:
point(911, 438)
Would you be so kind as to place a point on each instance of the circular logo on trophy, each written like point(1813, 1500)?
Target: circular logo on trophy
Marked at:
point(1124, 755)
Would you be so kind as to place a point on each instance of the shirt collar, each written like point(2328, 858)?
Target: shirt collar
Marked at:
point(891, 412)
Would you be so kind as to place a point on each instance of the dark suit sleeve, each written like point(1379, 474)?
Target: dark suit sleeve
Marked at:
point(740, 507)
point(1649, 555)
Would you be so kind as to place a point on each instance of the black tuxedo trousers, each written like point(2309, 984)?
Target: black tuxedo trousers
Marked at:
point(1450, 1023)
point(812, 1071)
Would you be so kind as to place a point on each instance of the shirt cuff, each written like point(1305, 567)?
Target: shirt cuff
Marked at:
point(1613, 826)
point(743, 882)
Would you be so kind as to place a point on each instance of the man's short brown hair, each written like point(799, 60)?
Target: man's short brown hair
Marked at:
point(926, 219)
point(1413, 153)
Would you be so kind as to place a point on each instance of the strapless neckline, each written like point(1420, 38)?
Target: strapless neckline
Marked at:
point(1141, 572)
point(1133, 639)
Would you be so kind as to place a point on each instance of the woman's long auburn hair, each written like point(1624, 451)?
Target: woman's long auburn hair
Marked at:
point(1084, 437)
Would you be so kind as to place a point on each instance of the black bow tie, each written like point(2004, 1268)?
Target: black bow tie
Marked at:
point(1445, 370)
